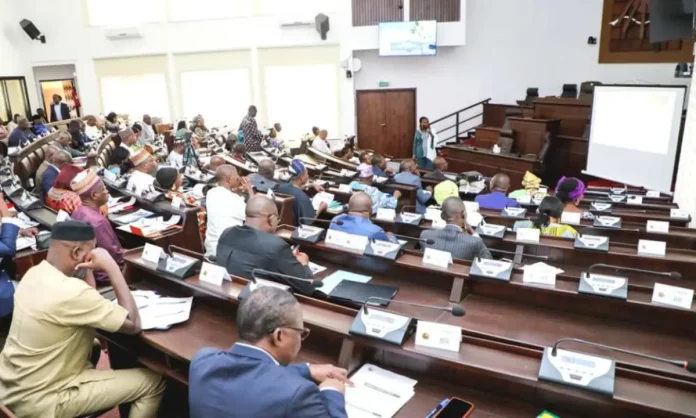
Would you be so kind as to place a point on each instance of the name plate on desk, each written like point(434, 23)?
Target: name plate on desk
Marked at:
point(471, 207)
point(617, 198)
point(350, 242)
point(652, 248)
point(491, 231)
point(210, 273)
point(601, 207)
point(592, 242)
point(383, 249)
point(603, 285)
point(571, 218)
point(441, 336)
point(437, 258)
point(617, 191)
point(673, 296)
point(576, 369)
point(652, 193)
point(634, 200)
point(308, 233)
point(678, 214)
point(152, 253)
point(432, 213)
point(382, 325)
point(528, 235)
point(657, 227)
point(179, 265)
point(386, 214)
point(344, 188)
point(492, 269)
point(514, 212)
point(607, 222)
point(409, 218)
point(524, 200)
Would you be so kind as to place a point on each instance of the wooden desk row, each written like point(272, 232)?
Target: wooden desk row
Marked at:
point(503, 337)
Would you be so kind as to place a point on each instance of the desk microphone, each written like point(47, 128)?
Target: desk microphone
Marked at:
point(456, 310)
point(404, 208)
point(538, 257)
point(671, 274)
point(689, 365)
point(312, 282)
point(309, 221)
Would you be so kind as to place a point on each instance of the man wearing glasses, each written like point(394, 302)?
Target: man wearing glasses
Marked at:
point(255, 378)
point(242, 249)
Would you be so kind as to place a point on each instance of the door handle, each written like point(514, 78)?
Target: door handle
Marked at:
point(383, 124)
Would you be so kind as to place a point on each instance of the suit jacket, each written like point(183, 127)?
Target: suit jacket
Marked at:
point(413, 180)
point(48, 178)
point(64, 111)
point(8, 248)
point(246, 381)
point(242, 249)
point(453, 240)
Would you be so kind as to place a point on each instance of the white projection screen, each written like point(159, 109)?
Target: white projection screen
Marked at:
point(634, 134)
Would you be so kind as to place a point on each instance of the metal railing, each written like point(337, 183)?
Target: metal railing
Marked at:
point(459, 117)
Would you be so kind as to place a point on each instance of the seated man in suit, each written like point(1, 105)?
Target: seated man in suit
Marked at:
point(457, 237)
point(241, 249)
point(263, 180)
point(64, 142)
point(440, 168)
point(379, 166)
point(409, 175)
point(357, 220)
point(497, 199)
point(44, 367)
point(21, 135)
point(254, 378)
point(48, 159)
point(60, 160)
point(295, 187)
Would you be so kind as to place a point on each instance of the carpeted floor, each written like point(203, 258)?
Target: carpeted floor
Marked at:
point(104, 364)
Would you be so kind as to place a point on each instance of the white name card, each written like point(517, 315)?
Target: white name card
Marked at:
point(526, 199)
point(62, 216)
point(543, 276)
point(151, 253)
point(347, 241)
point(435, 335)
point(652, 193)
point(177, 202)
point(344, 188)
point(657, 226)
point(678, 214)
point(655, 248)
point(635, 200)
point(471, 207)
point(543, 190)
point(386, 214)
point(437, 258)
point(210, 273)
point(678, 297)
point(432, 213)
point(571, 218)
point(439, 223)
point(528, 234)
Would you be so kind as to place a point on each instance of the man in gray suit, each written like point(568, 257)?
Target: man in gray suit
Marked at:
point(457, 237)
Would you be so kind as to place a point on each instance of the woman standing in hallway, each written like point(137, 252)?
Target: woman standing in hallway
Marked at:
point(424, 145)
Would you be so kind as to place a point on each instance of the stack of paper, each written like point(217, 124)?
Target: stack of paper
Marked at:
point(157, 312)
point(377, 393)
point(118, 205)
point(329, 283)
point(25, 221)
point(322, 197)
point(150, 226)
point(25, 242)
point(132, 217)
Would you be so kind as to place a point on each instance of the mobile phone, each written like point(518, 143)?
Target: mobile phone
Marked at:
point(455, 408)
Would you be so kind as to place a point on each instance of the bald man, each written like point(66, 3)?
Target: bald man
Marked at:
point(60, 159)
point(409, 175)
point(497, 198)
point(215, 162)
point(357, 220)
point(48, 159)
point(456, 237)
point(263, 180)
point(226, 208)
point(254, 245)
point(440, 168)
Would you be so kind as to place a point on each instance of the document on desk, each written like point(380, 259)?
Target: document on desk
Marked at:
point(25, 242)
point(165, 312)
point(322, 197)
point(329, 283)
point(25, 221)
point(132, 217)
point(118, 206)
point(316, 268)
point(377, 393)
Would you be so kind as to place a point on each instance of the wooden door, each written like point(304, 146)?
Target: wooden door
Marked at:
point(387, 121)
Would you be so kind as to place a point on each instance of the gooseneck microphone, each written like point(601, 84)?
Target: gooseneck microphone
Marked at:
point(309, 221)
point(456, 310)
point(671, 274)
point(312, 282)
point(688, 365)
point(537, 257)
point(428, 241)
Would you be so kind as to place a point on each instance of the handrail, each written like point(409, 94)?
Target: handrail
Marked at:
point(461, 110)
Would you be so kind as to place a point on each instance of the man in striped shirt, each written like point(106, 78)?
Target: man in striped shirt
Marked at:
point(252, 135)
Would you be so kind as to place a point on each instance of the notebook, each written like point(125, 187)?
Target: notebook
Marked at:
point(357, 292)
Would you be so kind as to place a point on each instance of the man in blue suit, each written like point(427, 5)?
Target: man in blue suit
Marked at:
point(60, 159)
point(254, 378)
point(409, 175)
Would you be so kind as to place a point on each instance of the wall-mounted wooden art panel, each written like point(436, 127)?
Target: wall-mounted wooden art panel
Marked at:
point(625, 36)
point(372, 12)
point(440, 10)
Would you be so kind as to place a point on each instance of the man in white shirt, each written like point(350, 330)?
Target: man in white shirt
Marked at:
point(143, 175)
point(321, 143)
point(91, 128)
point(225, 207)
point(147, 136)
point(176, 157)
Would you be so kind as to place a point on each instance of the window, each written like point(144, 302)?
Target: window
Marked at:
point(124, 12)
point(300, 97)
point(222, 97)
point(182, 10)
point(13, 98)
point(136, 95)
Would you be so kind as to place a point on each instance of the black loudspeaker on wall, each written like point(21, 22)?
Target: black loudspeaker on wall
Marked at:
point(32, 30)
point(322, 22)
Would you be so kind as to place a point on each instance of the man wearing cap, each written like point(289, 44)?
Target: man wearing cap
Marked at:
point(44, 367)
point(379, 199)
point(129, 140)
point(176, 157)
point(94, 195)
point(445, 189)
point(144, 169)
point(357, 220)
point(298, 180)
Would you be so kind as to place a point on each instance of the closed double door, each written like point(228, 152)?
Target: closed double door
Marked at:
point(387, 121)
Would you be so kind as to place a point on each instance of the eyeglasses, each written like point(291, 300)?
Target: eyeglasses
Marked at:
point(304, 332)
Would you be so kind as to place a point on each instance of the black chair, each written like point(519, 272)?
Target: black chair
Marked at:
point(532, 94)
point(570, 91)
point(587, 89)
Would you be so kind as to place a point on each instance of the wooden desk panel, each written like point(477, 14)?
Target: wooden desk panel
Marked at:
point(494, 114)
point(573, 114)
point(461, 159)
